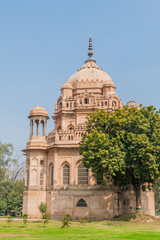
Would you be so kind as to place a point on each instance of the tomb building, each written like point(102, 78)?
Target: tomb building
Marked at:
point(54, 171)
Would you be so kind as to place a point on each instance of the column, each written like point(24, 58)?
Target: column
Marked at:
point(30, 128)
point(45, 128)
point(33, 121)
point(39, 126)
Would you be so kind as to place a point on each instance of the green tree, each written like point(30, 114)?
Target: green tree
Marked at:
point(43, 207)
point(11, 182)
point(124, 146)
point(3, 206)
point(6, 152)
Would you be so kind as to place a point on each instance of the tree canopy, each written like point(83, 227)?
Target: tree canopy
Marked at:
point(11, 180)
point(124, 146)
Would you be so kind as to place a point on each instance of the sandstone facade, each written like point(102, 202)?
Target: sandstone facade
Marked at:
point(54, 171)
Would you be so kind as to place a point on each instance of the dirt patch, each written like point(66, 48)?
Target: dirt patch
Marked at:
point(137, 217)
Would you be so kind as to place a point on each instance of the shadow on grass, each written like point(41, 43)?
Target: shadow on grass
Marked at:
point(125, 218)
point(37, 221)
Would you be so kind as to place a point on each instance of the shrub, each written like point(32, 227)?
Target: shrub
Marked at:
point(66, 221)
point(43, 207)
point(83, 221)
point(10, 220)
point(45, 218)
point(24, 217)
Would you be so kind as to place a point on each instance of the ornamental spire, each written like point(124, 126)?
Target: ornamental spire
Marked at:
point(90, 53)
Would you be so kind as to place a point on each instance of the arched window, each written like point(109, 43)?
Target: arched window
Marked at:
point(34, 178)
point(67, 105)
point(71, 137)
point(86, 100)
point(41, 178)
point(42, 162)
point(106, 103)
point(51, 174)
point(59, 128)
point(27, 177)
point(114, 104)
point(68, 137)
point(82, 174)
point(66, 174)
point(60, 104)
point(70, 127)
point(81, 203)
point(28, 161)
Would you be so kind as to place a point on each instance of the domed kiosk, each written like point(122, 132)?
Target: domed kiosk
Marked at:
point(54, 170)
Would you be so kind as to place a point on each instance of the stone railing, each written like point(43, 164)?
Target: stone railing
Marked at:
point(68, 135)
point(35, 188)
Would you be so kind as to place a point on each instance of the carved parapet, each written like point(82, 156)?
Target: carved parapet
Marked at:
point(35, 188)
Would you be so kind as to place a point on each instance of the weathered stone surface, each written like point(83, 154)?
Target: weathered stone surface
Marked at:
point(88, 89)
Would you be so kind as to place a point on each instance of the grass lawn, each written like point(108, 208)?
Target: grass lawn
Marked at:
point(108, 230)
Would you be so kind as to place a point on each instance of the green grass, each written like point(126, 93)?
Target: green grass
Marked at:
point(107, 230)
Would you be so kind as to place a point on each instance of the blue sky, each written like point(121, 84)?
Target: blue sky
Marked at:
point(42, 43)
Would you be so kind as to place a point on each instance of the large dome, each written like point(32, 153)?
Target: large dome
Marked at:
point(90, 72)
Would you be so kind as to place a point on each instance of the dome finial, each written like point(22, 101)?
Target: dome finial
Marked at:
point(90, 53)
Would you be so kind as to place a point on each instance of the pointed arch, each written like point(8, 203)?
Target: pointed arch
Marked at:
point(114, 103)
point(70, 127)
point(81, 203)
point(42, 162)
point(34, 177)
point(66, 174)
point(82, 174)
point(59, 128)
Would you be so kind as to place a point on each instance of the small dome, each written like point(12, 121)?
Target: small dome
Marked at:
point(133, 104)
point(39, 111)
point(90, 72)
point(109, 84)
point(66, 85)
